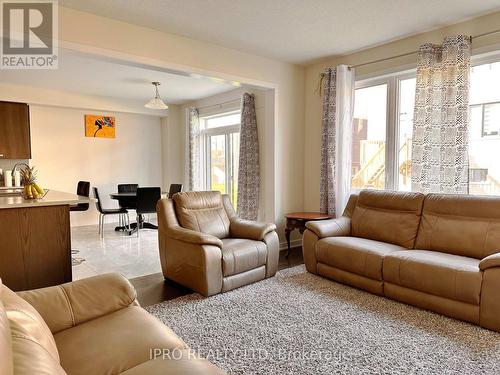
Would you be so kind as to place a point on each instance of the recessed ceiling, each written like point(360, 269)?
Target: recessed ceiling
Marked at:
point(296, 31)
point(89, 76)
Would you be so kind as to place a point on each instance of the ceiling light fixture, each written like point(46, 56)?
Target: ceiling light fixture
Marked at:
point(156, 102)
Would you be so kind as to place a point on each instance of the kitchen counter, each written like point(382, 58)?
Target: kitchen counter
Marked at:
point(52, 198)
point(35, 244)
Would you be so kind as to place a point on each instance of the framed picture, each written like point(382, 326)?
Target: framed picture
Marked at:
point(100, 126)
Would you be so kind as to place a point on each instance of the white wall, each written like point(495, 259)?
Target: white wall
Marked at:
point(63, 155)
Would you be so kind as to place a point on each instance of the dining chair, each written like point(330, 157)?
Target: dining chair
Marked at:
point(126, 202)
point(82, 189)
point(127, 188)
point(103, 212)
point(147, 198)
point(174, 189)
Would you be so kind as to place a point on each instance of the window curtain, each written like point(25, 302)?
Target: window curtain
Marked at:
point(248, 172)
point(195, 182)
point(440, 126)
point(336, 138)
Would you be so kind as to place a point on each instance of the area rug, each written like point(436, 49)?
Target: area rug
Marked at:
point(299, 323)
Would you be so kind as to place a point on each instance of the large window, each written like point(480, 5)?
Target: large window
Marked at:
point(382, 131)
point(484, 135)
point(383, 124)
point(221, 149)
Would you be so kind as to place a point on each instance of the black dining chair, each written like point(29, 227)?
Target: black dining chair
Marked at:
point(127, 188)
point(174, 189)
point(147, 198)
point(103, 212)
point(82, 189)
point(127, 202)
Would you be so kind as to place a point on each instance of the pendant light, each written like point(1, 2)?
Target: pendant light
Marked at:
point(156, 102)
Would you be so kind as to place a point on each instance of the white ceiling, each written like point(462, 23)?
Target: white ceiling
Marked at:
point(84, 75)
point(297, 31)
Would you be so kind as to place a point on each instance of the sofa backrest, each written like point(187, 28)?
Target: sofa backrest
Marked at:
point(387, 216)
point(202, 211)
point(33, 348)
point(464, 225)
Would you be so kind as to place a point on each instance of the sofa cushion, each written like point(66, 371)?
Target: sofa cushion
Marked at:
point(377, 211)
point(240, 255)
point(445, 275)
point(357, 255)
point(33, 346)
point(202, 211)
point(460, 224)
point(26, 322)
point(114, 343)
point(6, 364)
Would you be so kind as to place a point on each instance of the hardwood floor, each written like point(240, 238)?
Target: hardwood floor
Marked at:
point(152, 289)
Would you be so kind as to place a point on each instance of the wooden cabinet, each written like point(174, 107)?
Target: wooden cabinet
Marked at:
point(35, 247)
point(14, 131)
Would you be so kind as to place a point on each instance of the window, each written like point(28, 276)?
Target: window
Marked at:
point(221, 134)
point(383, 124)
point(368, 139)
point(382, 132)
point(487, 116)
point(484, 133)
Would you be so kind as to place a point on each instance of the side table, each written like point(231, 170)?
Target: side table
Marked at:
point(298, 220)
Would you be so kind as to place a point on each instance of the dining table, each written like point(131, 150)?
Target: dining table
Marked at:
point(128, 200)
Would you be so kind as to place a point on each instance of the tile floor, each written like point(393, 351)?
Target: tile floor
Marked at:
point(116, 252)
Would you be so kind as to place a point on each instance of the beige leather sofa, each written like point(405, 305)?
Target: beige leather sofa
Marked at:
point(206, 247)
point(438, 252)
point(87, 327)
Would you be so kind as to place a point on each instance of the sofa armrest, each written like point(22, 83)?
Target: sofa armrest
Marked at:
point(68, 305)
point(251, 230)
point(490, 261)
point(179, 233)
point(331, 228)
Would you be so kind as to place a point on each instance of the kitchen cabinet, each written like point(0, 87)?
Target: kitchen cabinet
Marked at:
point(14, 131)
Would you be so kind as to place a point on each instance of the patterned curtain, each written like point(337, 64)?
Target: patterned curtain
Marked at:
point(248, 172)
point(336, 138)
point(195, 182)
point(440, 125)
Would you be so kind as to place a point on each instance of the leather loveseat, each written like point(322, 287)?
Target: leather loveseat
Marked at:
point(92, 326)
point(207, 248)
point(438, 252)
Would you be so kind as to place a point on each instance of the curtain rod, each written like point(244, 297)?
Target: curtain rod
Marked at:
point(415, 52)
point(219, 104)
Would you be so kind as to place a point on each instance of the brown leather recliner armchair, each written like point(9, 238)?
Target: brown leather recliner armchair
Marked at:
point(92, 326)
point(206, 247)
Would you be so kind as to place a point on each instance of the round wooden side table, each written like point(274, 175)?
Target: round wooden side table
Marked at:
point(298, 220)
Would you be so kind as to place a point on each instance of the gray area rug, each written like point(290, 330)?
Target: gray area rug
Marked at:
point(299, 323)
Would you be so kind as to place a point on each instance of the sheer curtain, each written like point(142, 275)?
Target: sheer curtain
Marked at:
point(195, 174)
point(336, 138)
point(440, 126)
point(248, 172)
